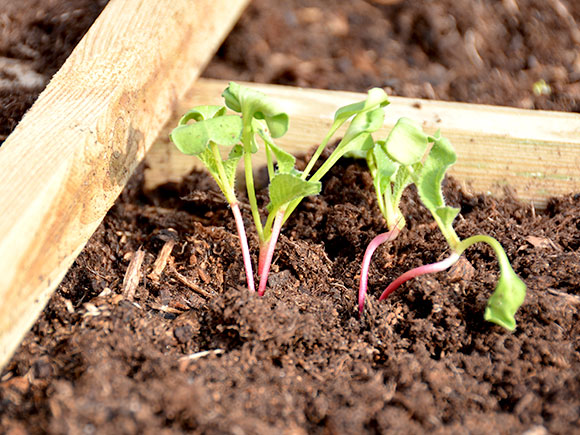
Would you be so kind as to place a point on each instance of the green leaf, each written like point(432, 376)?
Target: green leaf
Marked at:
point(285, 160)
point(441, 157)
point(406, 142)
point(385, 167)
point(231, 163)
point(507, 298)
point(288, 187)
point(510, 291)
point(193, 139)
point(201, 113)
point(254, 104)
point(363, 142)
point(365, 122)
point(376, 98)
point(401, 180)
point(447, 215)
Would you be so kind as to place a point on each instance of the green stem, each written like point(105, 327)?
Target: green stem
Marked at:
point(320, 148)
point(247, 138)
point(269, 162)
point(268, 226)
point(494, 244)
point(391, 213)
point(227, 190)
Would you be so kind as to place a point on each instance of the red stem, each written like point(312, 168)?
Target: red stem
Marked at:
point(244, 245)
point(418, 271)
point(364, 273)
point(265, 259)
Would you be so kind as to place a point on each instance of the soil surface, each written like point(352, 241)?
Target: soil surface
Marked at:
point(189, 349)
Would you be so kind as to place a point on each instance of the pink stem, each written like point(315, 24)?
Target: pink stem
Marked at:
point(262, 257)
point(244, 245)
point(418, 271)
point(364, 273)
point(266, 259)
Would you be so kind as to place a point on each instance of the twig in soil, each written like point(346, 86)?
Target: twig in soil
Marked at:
point(133, 275)
point(161, 260)
point(182, 279)
point(198, 355)
point(165, 308)
point(573, 299)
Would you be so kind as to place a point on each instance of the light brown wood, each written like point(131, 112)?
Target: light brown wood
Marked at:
point(67, 161)
point(537, 153)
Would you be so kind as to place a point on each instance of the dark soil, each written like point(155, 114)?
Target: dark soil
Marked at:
point(36, 37)
point(102, 359)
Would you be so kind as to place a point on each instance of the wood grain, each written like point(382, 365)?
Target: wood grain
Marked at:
point(69, 158)
point(536, 153)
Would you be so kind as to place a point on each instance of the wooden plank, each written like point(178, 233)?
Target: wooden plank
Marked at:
point(537, 153)
point(71, 155)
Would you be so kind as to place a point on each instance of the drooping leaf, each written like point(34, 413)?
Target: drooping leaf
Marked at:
point(255, 104)
point(510, 291)
point(193, 139)
point(507, 298)
point(288, 187)
point(406, 142)
point(201, 113)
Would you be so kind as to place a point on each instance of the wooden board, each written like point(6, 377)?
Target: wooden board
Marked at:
point(537, 153)
point(69, 158)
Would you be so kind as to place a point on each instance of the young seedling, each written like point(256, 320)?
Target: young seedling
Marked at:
point(390, 178)
point(262, 119)
point(288, 186)
point(427, 168)
point(201, 139)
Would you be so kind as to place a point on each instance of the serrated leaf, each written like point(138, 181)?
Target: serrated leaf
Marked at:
point(440, 158)
point(201, 113)
point(255, 104)
point(447, 215)
point(285, 160)
point(193, 139)
point(231, 163)
point(401, 180)
point(406, 142)
point(208, 160)
point(288, 187)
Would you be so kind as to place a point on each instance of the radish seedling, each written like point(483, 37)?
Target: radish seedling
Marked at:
point(262, 119)
point(288, 186)
point(201, 139)
point(408, 147)
point(390, 178)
